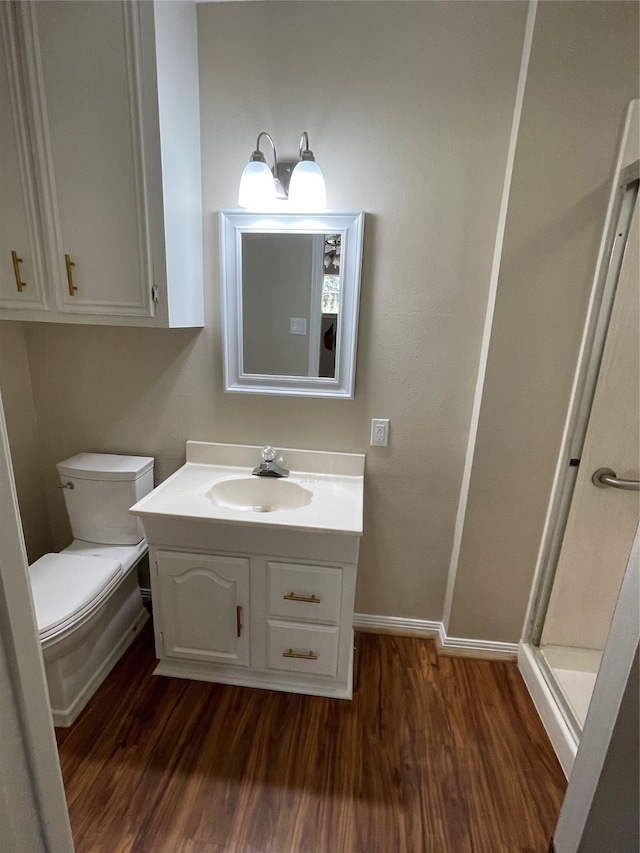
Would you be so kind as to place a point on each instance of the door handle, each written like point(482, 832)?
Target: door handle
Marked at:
point(292, 654)
point(16, 271)
point(308, 599)
point(69, 263)
point(604, 477)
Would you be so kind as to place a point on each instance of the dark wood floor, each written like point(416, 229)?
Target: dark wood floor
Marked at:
point(443, 755)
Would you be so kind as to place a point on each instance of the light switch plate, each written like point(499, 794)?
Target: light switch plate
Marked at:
point(297, 325)
point(379, 432)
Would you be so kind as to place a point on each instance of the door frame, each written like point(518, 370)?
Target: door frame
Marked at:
point(46, 807)
point(622, 198)
point(601, 760)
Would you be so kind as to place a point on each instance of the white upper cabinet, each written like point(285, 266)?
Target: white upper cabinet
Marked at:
point(110, 91)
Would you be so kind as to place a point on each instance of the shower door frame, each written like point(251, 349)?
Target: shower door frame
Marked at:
point(585, 388)
point(565, 733)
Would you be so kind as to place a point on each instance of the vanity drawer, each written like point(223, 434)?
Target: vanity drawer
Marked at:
point(312, 593)
point(312, 649)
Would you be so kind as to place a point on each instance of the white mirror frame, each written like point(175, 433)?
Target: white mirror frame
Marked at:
point(235, 223)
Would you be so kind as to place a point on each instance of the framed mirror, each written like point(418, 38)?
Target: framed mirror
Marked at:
point(290, 285)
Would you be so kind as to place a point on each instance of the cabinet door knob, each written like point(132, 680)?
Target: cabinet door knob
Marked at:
point(16, 271)
point(70, 263)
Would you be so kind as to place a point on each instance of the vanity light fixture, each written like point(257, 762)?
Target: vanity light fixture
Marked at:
point(300, 182)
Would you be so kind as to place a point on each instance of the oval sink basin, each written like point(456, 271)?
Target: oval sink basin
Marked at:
point(259, 494)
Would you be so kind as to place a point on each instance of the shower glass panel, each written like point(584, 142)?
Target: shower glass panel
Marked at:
point(585, 574)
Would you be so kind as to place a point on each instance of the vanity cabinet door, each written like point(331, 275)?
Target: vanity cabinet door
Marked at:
point(204, 607)
point(21, 277)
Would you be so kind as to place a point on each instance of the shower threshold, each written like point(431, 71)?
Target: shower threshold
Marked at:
point(575, 671)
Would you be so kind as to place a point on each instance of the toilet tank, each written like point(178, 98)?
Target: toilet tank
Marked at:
point(100, 488)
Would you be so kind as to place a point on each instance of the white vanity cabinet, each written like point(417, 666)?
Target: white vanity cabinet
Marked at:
point(107, 214)
point(257, 620)
point(253, 579)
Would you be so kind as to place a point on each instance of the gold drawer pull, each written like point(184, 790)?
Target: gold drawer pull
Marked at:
point(16, 271)
point(70, 263)
point(309, 599)
point(292, 654)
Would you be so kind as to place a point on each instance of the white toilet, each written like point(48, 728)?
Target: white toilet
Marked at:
point(87, 598)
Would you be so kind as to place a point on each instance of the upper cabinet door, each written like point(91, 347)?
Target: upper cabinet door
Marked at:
point(21, 270)
point(85, 62)
point(105, 100)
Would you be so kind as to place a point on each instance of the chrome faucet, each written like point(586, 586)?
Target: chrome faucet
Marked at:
point(270, 468)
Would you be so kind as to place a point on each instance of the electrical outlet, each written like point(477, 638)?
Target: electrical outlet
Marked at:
point(379, 432)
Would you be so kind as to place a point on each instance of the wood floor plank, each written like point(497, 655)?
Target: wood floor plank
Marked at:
point(434, 754)
point(191, 846)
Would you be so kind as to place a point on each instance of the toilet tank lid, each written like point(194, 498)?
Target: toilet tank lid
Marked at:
point(105, 466)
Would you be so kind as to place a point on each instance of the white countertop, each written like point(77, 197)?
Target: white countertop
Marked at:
point(336, 481)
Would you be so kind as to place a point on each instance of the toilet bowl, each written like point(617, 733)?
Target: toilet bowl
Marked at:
point(87, 599)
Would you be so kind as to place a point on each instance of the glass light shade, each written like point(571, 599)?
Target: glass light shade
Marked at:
point(257, 187)
point(307, 191)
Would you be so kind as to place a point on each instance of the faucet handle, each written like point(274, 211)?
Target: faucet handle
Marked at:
point(269, 453)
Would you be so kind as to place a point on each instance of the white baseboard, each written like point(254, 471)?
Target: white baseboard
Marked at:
point(489, 649)
point(560, 734)
point(450, 646)
point(397, 625)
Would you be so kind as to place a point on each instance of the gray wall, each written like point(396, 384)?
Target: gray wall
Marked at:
point(24, 438)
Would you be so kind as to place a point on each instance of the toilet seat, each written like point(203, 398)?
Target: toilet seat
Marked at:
point(66, 588)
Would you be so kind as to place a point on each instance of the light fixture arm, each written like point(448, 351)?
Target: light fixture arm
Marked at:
point(258, 156)
point(305, 153)
point(281, 171)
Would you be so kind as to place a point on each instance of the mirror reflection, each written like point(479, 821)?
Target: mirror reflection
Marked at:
point(291, 289)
